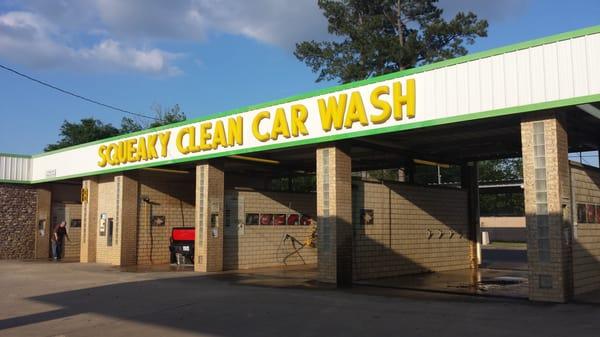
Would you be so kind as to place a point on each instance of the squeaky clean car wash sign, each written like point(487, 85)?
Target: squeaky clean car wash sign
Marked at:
point(318, 117)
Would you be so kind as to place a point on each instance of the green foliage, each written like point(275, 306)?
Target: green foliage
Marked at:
point(87, 130)
point(166, 116)
point(385, 174)
point(501, 170)
point(375, 37)
point(90, 129)
point(428, 175)
point(502, 204)
point(303, 183)
point(129, 125)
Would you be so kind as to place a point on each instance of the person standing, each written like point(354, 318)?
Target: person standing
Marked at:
point(58, 239)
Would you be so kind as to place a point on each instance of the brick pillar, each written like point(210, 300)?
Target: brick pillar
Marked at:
point(127, 210)
point(547, 207)
point(334, 211)
point(89, 220)
point(210, 191)
point(470, 183)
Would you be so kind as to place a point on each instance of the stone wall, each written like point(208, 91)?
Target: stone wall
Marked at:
point(17, 221)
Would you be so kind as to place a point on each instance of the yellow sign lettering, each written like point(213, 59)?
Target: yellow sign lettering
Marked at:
point(409, 99)
point(280, 125)
point(299, 116)
point(379, 104)
point(263, 137)
point(356, 111)
point(332, 112)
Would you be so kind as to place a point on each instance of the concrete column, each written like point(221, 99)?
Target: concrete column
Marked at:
point(127, 210)
point(334, 211)
point(470, 183)
point(89, 220)
point(547, 207)
point(210, 192)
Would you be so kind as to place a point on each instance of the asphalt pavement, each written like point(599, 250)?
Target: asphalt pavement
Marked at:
point(72, 299)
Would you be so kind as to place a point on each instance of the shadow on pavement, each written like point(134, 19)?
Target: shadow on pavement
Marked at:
point(249, 303)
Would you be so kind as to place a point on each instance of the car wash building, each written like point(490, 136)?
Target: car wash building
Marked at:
point(539, 100)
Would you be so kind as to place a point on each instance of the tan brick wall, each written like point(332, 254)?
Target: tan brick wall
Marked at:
point(405, 235)
point(249, 246)
point(586, 245)
point(73, 247)
point(66, 206)
point(174, 201)
point(549, 277)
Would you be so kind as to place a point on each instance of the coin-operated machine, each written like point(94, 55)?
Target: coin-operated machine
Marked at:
point(182, 245)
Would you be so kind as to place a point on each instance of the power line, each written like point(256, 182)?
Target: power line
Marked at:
point(76, 95)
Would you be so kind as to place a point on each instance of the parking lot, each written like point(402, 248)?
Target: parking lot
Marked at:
point(72, 299)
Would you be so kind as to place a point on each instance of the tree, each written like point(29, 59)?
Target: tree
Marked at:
point(90, 129)
point(163, 117)
point(166, 116)
point(129, 125)
point(87, 130)
point(501, 170)
point(375, 37)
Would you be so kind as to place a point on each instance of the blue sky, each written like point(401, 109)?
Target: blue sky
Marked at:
point(206, 55)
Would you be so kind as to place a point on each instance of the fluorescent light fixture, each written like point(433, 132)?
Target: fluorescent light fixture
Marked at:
point(430, 163)
point(592, 110)
point(258, 160)
point(165, 170)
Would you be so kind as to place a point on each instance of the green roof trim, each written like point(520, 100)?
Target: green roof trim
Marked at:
point(22, 182)
point(14, 155)
point(403, 73)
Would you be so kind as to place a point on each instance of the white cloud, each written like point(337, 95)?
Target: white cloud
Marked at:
point(110, 52)
point(152, 19)
point(114, 34)
point(117, 35)
point(30, 39)
point(282, 23)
